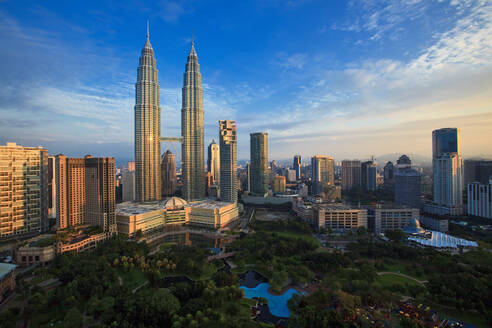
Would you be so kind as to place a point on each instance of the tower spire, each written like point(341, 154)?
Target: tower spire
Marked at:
point(147, 29)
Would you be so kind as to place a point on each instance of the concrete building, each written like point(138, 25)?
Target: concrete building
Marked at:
point(259, 163)
point(192, 131)
point(213, 162)
point(291, 175)
point(23, 190)
point(368, 176)
point(130, 166)
point(147, 128)
point(85, 192)
point(323, 169)
point(480, 199)
point(128, 186)
point(408, 188)
point(7, 280)
point(33, 254)
point(279, 184)
point(297, 166)
point(168, 171)
point(477, 171)
point(435, 223)
point(228, 161)
point(148, 217)
point(351, 176)
point(337, 217)
point(383, 219)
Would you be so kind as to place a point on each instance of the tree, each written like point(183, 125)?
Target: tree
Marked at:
point(73, 318)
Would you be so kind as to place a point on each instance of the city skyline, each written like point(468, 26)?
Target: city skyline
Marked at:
point(427, 82)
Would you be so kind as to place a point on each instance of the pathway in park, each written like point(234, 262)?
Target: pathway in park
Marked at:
point(420, 282)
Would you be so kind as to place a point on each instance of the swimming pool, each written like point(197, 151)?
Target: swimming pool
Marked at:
point(276, 304)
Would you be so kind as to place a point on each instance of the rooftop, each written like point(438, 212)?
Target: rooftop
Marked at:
point(442, 240)
point(5, 269)
point(131, 208)
point(208, 204)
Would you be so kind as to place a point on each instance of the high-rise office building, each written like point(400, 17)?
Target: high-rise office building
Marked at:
point(147, 128)
point(193, 173)
point(351, 174)
point(403, 162)
point(259, 163)
point(228, 161)
point(23, 190)
point(297, 166)
point(168, 171)
point(128, 186)
point(478, 171)
point(446, 140)
point(448, 172)
point(213, 162)
point(85, 192)
point(323, 169)
point(448, 182)
point(368, 175)
point(408, 188)
point(480, 199)
point(248, 177)
point(389, 176)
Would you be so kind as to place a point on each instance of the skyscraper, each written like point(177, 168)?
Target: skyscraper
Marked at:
point(297, 166)
point(213, 162)
point(147, 128)
point(446, 140)
point(448, 172)
point(228, 161)
point(368, 175)
point(408, 188)
point(478, 171)
point(323, 169)
point(259, 163)
point(192, 130)
point(350, 174)
point(85, 192)
point(168, 171)
point(389, 176)
point(23, 190)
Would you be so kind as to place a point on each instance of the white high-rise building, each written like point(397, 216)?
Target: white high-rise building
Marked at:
point(213, 162)
point(480, 199)
point(448, 182)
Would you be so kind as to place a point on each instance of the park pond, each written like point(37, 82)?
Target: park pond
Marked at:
point(277, 304)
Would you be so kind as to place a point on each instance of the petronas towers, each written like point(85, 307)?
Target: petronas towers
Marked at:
point(148, 129)
point(192, 130)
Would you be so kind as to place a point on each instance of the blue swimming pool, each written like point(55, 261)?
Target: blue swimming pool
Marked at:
point(276, 304)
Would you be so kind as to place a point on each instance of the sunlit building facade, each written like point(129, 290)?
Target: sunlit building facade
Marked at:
point(147, 128)
point(192, 126)
point(213, 162)
point(23, 190)
point(168, 171)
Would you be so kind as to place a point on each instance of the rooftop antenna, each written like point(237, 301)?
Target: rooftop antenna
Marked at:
point(147, 29)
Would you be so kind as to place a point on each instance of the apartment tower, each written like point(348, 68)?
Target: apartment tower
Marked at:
point(23, 190)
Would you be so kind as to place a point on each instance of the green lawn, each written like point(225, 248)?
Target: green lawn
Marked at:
point(389, 280)
point(165, 246)
point(291, 234)
point(132, 278)
point(469, 317)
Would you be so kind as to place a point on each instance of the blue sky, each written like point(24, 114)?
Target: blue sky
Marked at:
point(347, 79)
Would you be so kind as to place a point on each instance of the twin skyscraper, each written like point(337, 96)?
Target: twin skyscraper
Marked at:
point(148, 129)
